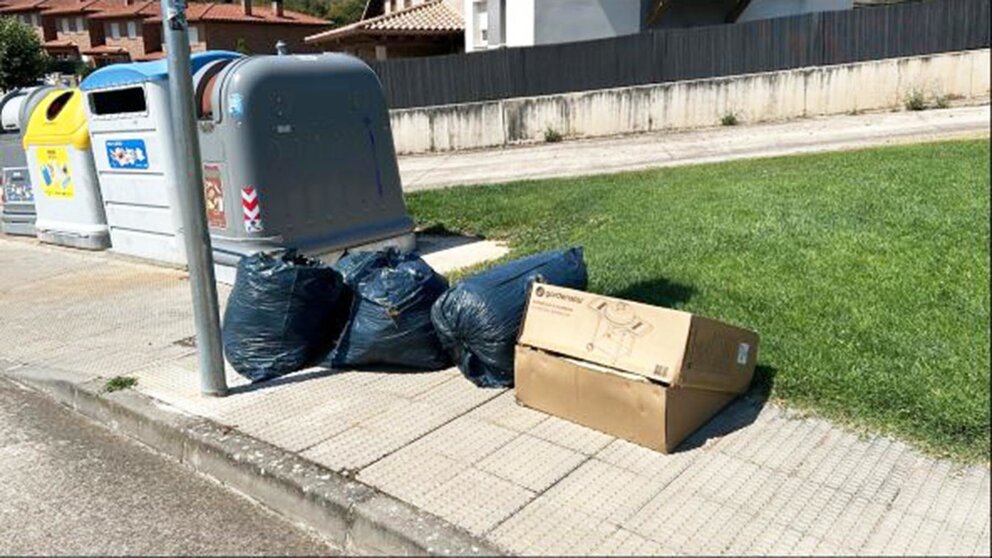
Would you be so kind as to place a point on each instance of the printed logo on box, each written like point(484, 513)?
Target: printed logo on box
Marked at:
point(56, 175)
point(127, 154)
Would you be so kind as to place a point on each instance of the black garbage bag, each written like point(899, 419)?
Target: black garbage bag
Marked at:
point(284, 313)
point(478, 319)
point(390, 322)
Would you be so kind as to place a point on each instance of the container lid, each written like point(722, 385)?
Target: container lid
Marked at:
point(117, 75)
point(58, 119)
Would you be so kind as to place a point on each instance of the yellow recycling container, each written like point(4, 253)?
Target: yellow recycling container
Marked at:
point(63, 175)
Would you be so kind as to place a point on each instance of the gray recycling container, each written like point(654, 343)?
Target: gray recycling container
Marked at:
point(18, 213)
point(298, 152)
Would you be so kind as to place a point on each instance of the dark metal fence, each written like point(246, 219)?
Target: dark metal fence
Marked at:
point(670, 55)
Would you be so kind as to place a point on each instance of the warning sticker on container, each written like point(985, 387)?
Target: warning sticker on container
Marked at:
point(56, 174)
point(127, 154)
point(213, 194)
point(251, 209)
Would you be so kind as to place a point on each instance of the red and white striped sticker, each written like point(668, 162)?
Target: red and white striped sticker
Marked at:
point(252, 211)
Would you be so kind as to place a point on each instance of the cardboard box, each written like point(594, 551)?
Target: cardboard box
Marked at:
point(647, 374)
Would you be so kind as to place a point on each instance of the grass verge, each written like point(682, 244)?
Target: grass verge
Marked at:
point(865, 272)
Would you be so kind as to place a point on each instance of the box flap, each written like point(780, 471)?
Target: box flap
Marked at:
point(630, 336)
point(671, 346)
point(719, 357)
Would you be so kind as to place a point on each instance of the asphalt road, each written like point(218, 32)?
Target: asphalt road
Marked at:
point(69, 486)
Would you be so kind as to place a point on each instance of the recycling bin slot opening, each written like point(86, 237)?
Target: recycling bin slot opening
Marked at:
point(118, 101)
point(57, 105)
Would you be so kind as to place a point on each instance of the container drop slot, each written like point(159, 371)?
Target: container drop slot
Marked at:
point(118, 101)
point(57, 105)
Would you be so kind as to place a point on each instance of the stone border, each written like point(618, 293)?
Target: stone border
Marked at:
point(355, 517)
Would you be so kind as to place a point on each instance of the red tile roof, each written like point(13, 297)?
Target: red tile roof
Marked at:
point(59, 43)
point(200, 12)
point(22, 6)
point(76, 7)
point(105, 49)
point(429, 18)
point(138, 9)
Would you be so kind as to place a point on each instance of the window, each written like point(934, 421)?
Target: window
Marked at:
point(194, 34)
point(132, 30)
point(481, 16)
point(115, 30)
point(64, 24)
point(80, 24)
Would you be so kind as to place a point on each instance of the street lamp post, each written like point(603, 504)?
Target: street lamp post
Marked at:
point(189, 183)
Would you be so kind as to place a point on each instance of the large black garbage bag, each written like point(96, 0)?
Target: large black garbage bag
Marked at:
point(284, 313)
point(390, 322)
point(478, 319)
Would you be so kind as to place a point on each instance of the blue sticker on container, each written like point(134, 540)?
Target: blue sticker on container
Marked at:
point(235, 105)
point(127, 154)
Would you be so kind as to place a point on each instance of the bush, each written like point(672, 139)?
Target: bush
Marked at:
point(915, 100)
point(942, 101)
point(729, 119)
point(552, 136)
point(22, 60)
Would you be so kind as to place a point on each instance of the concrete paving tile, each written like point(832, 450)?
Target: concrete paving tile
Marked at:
point(667, 511)
point(504, 411)
point(543, 528)
point(827, 516)
point(475, 500)
point(531, 462)
point(746, 540)
point(603, 490)
point(353, 449)
point(466, 439)
point(881, 539)
point(570, 435)
point(408, 420)
point(786, 543)
point(626, 543)
point(411, 473)
point(458, 394)
point(647, 462)
point(713, 528)
point(409, 384)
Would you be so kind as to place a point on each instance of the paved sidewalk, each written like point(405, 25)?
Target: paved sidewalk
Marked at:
point(758, 479)
point(665, 149)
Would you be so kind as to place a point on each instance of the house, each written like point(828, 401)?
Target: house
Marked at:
point(129, 34)
point(518, 23)
point(106, 31)
point(245, 27)
point(399, 28)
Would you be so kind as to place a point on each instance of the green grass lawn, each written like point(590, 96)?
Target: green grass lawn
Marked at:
point(866, 273)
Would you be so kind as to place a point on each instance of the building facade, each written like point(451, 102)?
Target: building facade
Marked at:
point(101, 32)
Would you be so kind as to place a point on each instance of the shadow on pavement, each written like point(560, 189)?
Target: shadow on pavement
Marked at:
point(739, 414)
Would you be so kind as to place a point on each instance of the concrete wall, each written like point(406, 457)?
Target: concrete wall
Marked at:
point(765, 9)
point(874, 85)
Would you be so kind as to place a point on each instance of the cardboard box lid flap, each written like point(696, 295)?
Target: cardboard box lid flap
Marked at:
point(628, 336)
point(719, 357)
point(671, 346)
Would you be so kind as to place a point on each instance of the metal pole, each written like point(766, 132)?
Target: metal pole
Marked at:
point(189, 183)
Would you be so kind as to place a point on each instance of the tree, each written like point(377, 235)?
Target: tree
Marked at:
point(22, 60)
point(241, 46)
point(343, 12)
point(340, 12)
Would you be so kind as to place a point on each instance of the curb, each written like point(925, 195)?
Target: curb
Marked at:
point(356, 518)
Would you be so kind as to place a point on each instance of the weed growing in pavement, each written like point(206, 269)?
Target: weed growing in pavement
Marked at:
point(552, 136)
point(117, 383)
point(729, 119)
point(915, 100)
